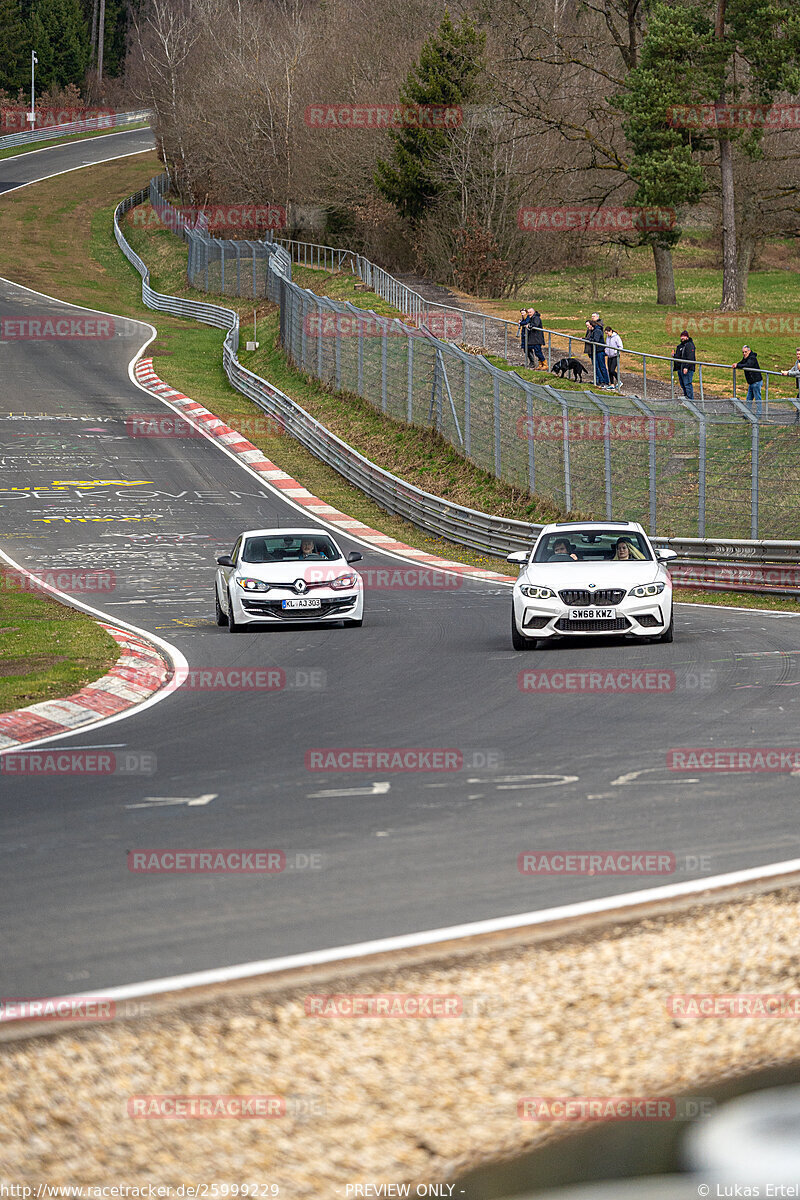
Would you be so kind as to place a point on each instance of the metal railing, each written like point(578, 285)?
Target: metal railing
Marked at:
point(109, 123)
point(766, 566)
point(499, 335)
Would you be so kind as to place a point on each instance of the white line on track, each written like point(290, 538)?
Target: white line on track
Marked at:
point(430, 937)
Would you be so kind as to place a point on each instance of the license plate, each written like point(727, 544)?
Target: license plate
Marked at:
point(303, 603)
point(592, 614)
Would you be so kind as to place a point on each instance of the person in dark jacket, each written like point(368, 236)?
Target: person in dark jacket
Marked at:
point(684, 361)
point(749, 363)
point(523, 330)
point(598, 350)
point(535, 339)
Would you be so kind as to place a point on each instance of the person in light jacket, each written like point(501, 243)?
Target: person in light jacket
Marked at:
point(794, 369)
point(613, 347)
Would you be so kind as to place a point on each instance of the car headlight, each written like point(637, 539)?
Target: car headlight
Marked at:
point(648, 589)
point(253, 585)
point(537, 593)
point(344, 581)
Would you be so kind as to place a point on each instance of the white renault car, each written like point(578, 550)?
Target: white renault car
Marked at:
point(287, 575)
point(591, 577)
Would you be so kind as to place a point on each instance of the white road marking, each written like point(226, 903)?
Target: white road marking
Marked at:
point(632, 776)
point(513, 783)
point(379, 788)
point(163, 801)
point(430, 937)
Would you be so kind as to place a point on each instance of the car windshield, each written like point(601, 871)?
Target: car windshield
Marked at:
point(592, 545)
point(291, 548)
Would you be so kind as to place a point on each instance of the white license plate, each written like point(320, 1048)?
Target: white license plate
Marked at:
point(303, 603)
point(592, 614)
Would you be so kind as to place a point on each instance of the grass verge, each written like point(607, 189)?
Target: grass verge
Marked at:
point(77, 649)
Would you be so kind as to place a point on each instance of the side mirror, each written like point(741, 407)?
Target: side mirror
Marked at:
point(225, 560)
point(355, 556)
point(664, 555)
point(518, 556)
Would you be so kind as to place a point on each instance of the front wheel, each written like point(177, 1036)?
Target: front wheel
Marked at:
point(232, 626)
point(221, 617)
point(518, 640)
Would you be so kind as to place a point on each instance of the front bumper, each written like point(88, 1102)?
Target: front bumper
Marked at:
point(264, 609)
point(643, 618)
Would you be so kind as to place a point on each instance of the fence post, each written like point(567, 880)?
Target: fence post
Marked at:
point(497, 462)
point(238, 268)
point(410, 365)
point(303, 305)
point(222, 261)
point(531, 444)
point(567, 473)
point(606, 448)
point(384, 355)
point(254, 271)
point(360, 356)
point(755, 431)
point(319, 337)
point(467, 409)
point(337, 346)
point(651, 449)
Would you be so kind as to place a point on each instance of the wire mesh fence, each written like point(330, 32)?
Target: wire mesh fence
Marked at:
point(678, 468)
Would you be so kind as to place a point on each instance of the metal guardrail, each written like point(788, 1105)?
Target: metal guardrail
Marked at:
point(442, 518)
point(119, 121)
point(497, 334)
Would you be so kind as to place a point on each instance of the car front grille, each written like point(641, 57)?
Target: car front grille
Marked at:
point(602, 596)
point(618, 625)
point(272, 608)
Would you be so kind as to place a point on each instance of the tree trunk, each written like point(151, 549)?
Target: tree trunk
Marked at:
point(730, 262)
point(746, 253)
point(101, 37)
point(665, 276)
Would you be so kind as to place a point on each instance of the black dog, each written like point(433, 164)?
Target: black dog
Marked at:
point(570, 366)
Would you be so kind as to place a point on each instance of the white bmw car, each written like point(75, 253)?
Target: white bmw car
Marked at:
point(585, 578)
point(287, 576)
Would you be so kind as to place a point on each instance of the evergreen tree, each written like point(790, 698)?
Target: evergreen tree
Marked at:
point(60, 38)
point(446, 75)
point(695, 58)
point(14, 53)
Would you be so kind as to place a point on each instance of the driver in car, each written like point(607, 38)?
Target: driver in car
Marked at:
point(561, 549)
point(308, 548)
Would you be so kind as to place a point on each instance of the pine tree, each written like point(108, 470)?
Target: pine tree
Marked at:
point(14, 53)
point(60, 38)
point(446, 76)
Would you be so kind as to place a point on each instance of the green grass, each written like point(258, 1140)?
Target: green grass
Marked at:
point(736, 599)
point(13, 151)
point(47, 650)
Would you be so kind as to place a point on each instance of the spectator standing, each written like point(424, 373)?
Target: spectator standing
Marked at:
point(523, 330)
point(749, 363)
point(598, 350)
point(684, 361)
point(613, 348)
point(794, 369)
point(535, 339)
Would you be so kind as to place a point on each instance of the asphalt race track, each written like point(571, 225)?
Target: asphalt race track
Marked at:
point(380, 853)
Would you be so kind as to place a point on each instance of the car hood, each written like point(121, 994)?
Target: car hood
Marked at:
point(602, 574)
point(288, 572)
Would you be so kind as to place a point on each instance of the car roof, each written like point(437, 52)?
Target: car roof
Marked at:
point(301, 532)
point(566, 525)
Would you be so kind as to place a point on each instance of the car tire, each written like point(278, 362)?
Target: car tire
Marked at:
point(232, 626)
point(222, 618)
point(518, 640)
point(669, 632)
